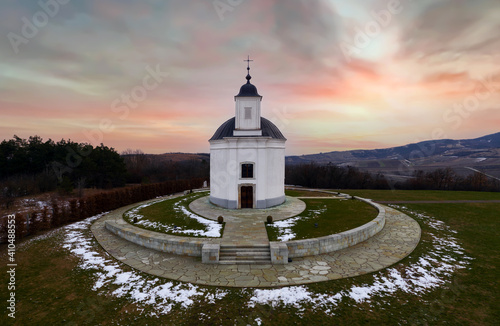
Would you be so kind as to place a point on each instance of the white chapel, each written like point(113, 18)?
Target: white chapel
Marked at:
point(247, 156)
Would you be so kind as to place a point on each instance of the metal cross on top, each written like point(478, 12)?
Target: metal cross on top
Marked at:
point(248, 62)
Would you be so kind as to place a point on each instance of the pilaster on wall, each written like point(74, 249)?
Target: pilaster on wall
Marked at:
point(210, 253)
point(279, 253)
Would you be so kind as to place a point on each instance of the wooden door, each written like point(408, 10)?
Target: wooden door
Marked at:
point(246, 197)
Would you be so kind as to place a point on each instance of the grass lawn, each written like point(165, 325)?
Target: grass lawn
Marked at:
point(450, 279)
point(395, 195)
point(172, 216)
point(469, 296)
point(330, 215)
point(306, 193)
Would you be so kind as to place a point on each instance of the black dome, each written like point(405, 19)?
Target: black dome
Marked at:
point(248, 90)
point(269, 129)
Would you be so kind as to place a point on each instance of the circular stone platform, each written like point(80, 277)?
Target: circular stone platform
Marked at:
point(290, 208)
point(395, 241)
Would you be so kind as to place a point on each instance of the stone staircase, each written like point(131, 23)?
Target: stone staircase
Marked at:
point(255, 254)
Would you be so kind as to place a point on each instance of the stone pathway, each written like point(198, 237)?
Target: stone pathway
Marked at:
point(246, 227)
point(399, 237)
point(241, 232)
point(291, 207)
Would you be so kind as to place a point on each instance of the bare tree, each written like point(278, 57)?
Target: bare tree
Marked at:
point(80, 186)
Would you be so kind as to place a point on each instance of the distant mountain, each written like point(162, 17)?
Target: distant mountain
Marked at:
point(463, 155)
point(447, 147)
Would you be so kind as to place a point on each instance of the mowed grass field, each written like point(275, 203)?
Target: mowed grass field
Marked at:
point(306, 193)
point(420, 195)
point(450, 279)
point(322, 217)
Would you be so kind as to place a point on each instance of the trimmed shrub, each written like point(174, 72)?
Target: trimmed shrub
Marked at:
point(34, 223)
point(20, 226)
point(55, 221)
point(44, 223)
point(73, 210)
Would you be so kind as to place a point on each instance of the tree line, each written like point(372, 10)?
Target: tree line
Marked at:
point(448, 179)
point(331, 176)
point(30, 166)
point(146, 168)
point(338, 177)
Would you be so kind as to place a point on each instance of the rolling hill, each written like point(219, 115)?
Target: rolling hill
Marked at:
point(464, 156)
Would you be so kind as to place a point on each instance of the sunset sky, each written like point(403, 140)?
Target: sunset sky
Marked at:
point(335, 75)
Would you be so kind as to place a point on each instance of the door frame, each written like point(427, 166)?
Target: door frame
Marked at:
point(240, 193)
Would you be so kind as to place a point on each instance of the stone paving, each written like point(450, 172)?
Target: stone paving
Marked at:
point(397, 239)
point(291, 207)
point(246, 227)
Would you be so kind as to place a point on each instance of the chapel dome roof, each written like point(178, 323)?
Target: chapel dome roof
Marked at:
point(269, 129)
point(248, 89)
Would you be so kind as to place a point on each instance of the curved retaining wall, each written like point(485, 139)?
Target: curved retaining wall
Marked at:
point(208, 249)
point(334, 242)
point(158, 241)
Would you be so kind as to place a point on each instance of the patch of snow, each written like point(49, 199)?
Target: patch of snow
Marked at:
point(433, 269)
point(159, 294)
point(212, 228)
point(285, 228)
point(32, 202)
point(285, 232)
point(479, 159)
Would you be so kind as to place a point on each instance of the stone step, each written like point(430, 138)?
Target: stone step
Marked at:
point(230, 247)
point(245, 250)
point(244, 262)
point(247, 253)
point(256, 254)
point(233, 252)
point(228, 257)
point(259, 258)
